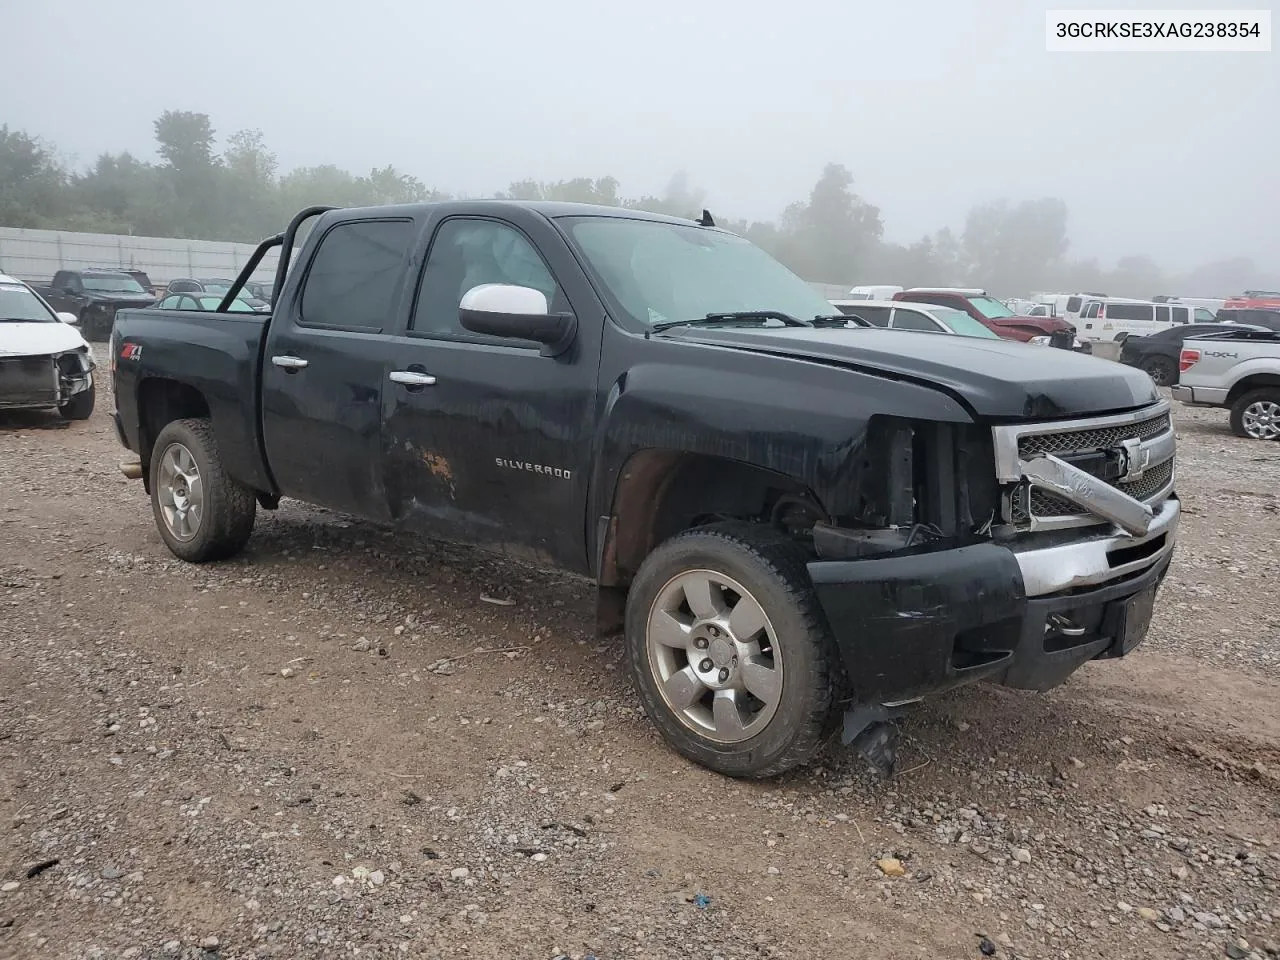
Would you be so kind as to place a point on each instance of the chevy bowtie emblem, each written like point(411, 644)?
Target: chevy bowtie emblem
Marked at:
point(1136, 460)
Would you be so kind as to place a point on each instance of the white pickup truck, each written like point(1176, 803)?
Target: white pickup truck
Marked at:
point(1239, 371)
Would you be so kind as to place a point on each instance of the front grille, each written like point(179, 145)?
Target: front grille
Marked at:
point(1063, 339)
point(1030, 506)
point(1150, 483)
point(1086, 439)
point(28, 380)
point(1041, 503)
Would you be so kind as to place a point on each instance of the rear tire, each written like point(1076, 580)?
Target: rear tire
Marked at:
point(729, 650)
point(1162, 370)
point(202, 512)
point(80, 407)
point(1256, 415)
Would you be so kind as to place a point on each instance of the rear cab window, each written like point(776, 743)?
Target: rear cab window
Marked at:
point(355, 275)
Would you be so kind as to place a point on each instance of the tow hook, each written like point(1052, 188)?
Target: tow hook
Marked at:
point(132, 469)
point(871, 732)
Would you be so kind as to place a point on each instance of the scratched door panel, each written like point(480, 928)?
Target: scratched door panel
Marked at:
point(496, 452)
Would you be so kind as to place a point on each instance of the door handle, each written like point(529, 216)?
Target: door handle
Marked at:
point(289, 363)
point(412, 378)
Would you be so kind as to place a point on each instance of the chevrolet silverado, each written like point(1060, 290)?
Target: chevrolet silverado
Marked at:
point(790, 520)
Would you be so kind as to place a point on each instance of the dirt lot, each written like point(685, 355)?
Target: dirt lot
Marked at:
point(340, 745)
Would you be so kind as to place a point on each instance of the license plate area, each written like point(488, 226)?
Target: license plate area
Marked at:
point(1134, 620)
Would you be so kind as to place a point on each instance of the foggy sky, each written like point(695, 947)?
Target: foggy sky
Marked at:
point(933, 106)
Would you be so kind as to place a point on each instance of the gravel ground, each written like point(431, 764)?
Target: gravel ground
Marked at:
point(345, 743)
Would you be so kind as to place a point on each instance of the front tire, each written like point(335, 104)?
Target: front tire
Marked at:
point(80, 407)
point(1162, 371)
point(1256, 415)
point(201, 511)
point(729, 651)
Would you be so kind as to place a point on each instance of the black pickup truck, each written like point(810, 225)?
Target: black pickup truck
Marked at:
point(94, 296)
point(788, 517)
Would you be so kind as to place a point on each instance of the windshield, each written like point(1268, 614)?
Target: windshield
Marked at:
point(112, 284)
point(960, 322)
point(991, 309)
point(20, 305)
point(660, 272)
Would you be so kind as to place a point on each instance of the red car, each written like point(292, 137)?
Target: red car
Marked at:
point(1254, 300)
point(998, 318)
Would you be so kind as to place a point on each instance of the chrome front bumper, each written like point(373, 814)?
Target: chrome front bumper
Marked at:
point(1051, 563)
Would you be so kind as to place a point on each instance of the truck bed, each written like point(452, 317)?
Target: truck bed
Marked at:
point(218, 356)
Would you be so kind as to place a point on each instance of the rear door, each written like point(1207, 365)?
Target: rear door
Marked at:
point(1090, 321)
point(486, 441)
point(326, 350)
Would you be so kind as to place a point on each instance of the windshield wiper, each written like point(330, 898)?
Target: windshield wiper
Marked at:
point(740, 316)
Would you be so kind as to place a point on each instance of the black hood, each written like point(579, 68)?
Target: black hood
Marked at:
point(998, 379)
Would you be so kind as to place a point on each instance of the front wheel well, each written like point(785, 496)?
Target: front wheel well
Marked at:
point(1251, 383)
point(662, 492)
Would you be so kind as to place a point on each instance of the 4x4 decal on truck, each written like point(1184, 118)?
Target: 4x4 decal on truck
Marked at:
point(556, 472)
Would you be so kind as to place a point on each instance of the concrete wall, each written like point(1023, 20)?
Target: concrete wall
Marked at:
point(35, 255)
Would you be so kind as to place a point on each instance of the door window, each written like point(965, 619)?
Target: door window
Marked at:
point(465, 253)
point(355, 275)
point(910, 320)
point(877, 316)
point(1180, 315)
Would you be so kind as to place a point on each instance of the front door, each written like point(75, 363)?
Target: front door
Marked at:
point(66, 293)
point(487, 441)
point(322, 373)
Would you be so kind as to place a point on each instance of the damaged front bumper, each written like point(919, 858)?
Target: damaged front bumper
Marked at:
point(45, 380)
point(1026, 612)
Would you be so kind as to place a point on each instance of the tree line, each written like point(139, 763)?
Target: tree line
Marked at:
point(197, 190)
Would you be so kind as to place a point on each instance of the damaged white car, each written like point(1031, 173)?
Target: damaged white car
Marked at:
point(44, 361)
